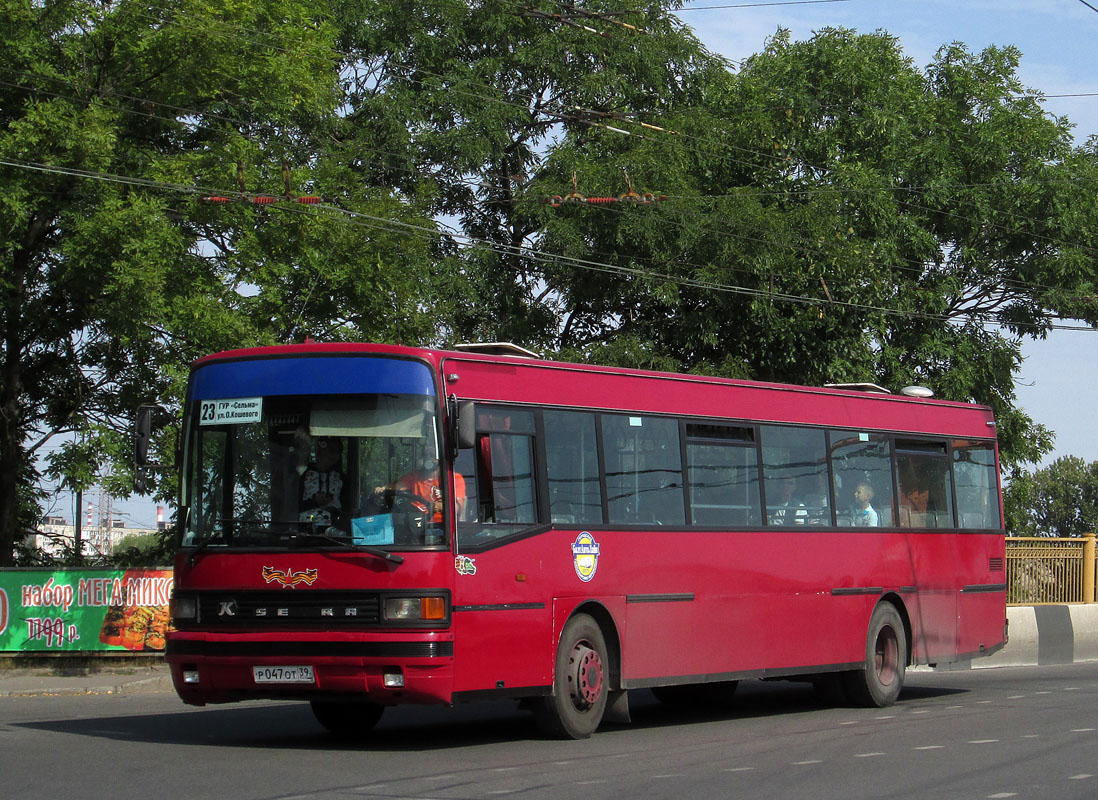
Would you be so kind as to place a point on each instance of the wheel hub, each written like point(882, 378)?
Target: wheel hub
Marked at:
point(585, 676)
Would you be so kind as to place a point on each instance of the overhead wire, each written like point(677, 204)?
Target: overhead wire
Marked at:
point(373, 221)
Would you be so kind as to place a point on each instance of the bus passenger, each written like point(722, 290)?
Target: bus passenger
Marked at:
point(865, 516)
point(788, 511)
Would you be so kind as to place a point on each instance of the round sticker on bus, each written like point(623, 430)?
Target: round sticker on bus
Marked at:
point(585, 556)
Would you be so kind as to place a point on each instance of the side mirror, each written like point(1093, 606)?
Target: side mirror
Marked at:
point(466, 425)
point(463, 428)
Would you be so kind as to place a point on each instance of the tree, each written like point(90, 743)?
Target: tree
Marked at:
point(837, 215)
point(464, 103)
point(117, 118)
point(1058, 500)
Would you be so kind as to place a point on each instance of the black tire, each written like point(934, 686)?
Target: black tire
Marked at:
point(350, 720)
point(717, 694)
point(880, 681)
point(580, 683)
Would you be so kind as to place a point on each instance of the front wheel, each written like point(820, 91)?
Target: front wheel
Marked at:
point(349, 720)
point(878, 683)
point(575, 709)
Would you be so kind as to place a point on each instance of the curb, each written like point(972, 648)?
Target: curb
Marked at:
point(51, 686)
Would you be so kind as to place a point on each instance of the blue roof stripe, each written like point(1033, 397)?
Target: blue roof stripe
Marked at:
point(311, 374)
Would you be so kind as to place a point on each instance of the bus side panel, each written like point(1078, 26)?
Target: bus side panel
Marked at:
point(934, 576)
point(697, 611)
point(502, 619)
point(981, 612)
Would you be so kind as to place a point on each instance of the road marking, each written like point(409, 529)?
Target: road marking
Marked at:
point(891, 716)
point(591, 783)
point(1002, 795)
point(931, 747)
point(1032, 736)
point(1016, 697)
point(804, 763)
point(1082, 777)
point(1082, 730)
point(852, 722)
point(738, 769)
point(1072, 689)
point(505, 769)
point(984, 702)
point(922, 711)
point(670, 775)
point(983, 741)
point(1042, 692)
point(868, 755)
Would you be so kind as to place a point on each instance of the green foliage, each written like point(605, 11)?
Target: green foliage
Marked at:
point(115, 118)
point(144, 550)
point(833, 213)
point(837, 215)
point(1059, 500)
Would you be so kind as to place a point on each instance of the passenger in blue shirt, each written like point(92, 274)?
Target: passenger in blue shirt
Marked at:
point(865, 516)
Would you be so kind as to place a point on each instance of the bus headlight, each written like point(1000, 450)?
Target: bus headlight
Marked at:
point(184, 607)
point(409, 609)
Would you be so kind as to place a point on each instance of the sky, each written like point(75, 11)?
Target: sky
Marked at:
point(1059, 57)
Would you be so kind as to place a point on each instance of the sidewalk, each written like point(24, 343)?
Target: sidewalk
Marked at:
point(60, 677)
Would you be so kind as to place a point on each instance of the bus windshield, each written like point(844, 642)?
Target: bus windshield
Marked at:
point(294, 470)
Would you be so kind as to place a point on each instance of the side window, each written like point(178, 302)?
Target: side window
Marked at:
point(724, 476)
point(795, 475)
point(977, 485)
point(572, 460)
point(499, 476)
point(926, 493)
point(861, 463)
point(643, 470)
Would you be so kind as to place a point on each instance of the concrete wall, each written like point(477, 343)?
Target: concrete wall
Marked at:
point(1041, 635)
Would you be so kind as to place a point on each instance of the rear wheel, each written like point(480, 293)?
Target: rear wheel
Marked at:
point(878, 683)
point(575, 709)
point(347, 719)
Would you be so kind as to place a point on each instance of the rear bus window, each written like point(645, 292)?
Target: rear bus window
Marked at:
point(977, 485)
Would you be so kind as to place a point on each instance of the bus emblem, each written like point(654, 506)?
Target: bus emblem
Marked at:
point(289, 578)
point(465, 565)
point(585, 556)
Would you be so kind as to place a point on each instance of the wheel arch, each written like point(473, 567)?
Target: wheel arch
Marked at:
point(605, 620)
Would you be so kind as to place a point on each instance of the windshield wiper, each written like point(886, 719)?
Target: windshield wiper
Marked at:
point(295, 535)
point(202, 545)
point(362, 548)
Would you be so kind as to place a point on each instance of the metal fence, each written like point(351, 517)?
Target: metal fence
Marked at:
point(1045, 570)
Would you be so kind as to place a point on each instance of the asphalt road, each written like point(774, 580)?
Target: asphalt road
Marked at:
point(1001, 733)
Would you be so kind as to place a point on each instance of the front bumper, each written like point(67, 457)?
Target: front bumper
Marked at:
point(217, 667)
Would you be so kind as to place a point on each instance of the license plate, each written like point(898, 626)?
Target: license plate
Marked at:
point(283, 674)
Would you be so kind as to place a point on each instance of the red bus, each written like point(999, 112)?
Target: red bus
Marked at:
point(370, 525)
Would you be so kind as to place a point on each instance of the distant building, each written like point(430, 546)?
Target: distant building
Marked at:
point(55, 536)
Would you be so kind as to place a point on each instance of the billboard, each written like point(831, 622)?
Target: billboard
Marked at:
point(82, 610)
